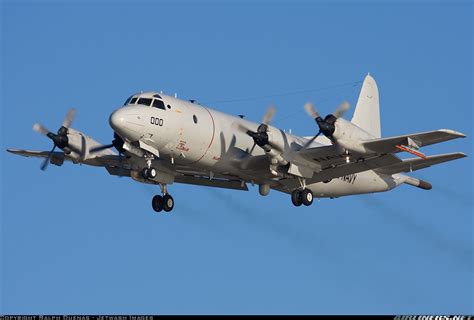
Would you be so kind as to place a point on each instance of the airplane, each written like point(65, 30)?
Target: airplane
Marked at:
point(161, 140)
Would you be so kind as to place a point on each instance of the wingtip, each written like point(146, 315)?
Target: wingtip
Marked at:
point(453, 132)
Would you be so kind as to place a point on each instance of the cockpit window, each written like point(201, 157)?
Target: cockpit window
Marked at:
point(158, 104)
point(128, 100)
point(133, 100)
point(157, 96)
point(145, 101)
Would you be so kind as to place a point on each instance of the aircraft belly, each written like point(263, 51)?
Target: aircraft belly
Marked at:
point(359, 183)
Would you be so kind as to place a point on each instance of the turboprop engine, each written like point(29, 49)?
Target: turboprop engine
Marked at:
point(341, 132)
point(266, 139)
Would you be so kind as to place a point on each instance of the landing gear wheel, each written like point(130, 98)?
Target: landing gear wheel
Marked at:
point(149, 173)
point(306, 197)
point(296, 198)
point(168, 203)
point(157, 203)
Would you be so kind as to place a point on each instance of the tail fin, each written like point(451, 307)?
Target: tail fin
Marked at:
point(367, 113)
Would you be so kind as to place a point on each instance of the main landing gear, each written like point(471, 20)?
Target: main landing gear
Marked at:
point(299, 197)
point(164, 202)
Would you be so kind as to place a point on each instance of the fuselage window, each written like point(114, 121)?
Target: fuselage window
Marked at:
point(145, 101)
point(158, 104)
point(169, 107)
point(195, 119)
point(133, 100)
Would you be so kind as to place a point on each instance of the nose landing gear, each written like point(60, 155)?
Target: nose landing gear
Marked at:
point(149, 173)
point(165, 202)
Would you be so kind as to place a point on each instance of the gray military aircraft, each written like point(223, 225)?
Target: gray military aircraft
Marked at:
point(163, 140)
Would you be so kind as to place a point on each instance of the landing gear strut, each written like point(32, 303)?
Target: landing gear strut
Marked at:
point(165, 202)
point(299, 197)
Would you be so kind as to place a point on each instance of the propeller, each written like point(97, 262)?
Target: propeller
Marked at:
point(326, 125)
point(59, 139)
point(260, 137)
point(117, 143)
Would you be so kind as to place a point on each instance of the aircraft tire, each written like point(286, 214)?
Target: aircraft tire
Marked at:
point(306, 197)
point(151, 172)
point(157, 203)
point(168, 203)
point(296, 198)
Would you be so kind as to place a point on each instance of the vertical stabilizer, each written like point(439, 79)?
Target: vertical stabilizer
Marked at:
point(367, 112)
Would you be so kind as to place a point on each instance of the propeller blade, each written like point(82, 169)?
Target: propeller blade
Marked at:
point(40, 129)
point(343, 107)
point(253, 147)
point(100, 148)
point(240, 127)
point(46, 161)
point(269, 115)
point(69, 118)
point(311, 110)
point(310, 141)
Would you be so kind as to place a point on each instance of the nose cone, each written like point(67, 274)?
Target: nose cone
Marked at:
point(127, 123)
point(116, 120)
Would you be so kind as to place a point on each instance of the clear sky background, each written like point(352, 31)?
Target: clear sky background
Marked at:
point(76, 240)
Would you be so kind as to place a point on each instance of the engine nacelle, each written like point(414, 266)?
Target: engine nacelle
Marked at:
point(349, 136)
point(57, 159)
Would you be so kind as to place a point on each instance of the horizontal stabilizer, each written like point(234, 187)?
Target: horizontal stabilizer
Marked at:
point(416, 140)
point(414, 164)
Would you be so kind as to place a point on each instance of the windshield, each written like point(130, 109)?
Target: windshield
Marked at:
point(158, 104)
point(144, 101)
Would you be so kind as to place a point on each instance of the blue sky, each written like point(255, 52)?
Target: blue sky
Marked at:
point(75, 240)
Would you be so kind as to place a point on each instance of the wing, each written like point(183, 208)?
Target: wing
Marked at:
point(329, 162)
point(388, 145)
point(120, 166)
point(35, 154)
point(105, 160)
point(414, 164)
